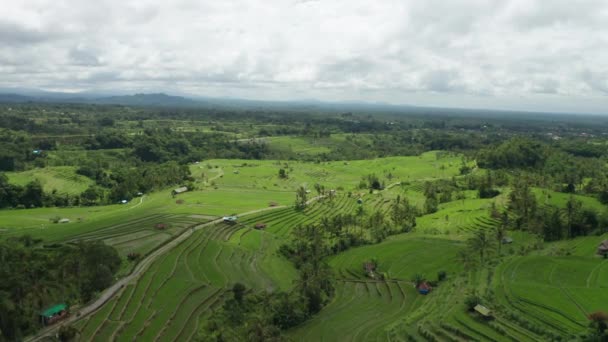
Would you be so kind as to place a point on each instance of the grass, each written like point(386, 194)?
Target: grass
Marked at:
point(263, 174)
point(62, 179)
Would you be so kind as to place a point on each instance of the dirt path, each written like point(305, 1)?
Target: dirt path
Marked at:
point(141, 267)
point(141, 200)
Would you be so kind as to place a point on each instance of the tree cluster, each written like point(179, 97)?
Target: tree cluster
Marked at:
point(35, 277)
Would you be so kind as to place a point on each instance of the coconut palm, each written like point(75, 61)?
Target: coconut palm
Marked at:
point(481, 243)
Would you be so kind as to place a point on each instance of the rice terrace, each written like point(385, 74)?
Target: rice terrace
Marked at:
point(490, 241)
point(273, 171)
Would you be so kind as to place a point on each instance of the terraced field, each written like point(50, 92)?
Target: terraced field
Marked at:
point(186, 284)
point(361, 311)
point(555, 292)
point(534, 297)
point(63, 179)
point(141, 235)
point(401, 257)
point(459, 217)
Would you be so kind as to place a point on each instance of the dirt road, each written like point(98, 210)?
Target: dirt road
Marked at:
point(141, 267)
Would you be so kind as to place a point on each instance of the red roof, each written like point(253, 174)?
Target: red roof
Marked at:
point(424, 286)
point(369, 267)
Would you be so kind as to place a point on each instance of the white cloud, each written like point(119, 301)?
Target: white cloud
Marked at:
point(520, 54)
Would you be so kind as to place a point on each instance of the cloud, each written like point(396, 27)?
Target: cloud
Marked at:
point(520, 54)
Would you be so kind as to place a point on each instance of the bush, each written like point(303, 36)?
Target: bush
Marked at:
point(441, 275)
point(133, 256)
point(472, 301)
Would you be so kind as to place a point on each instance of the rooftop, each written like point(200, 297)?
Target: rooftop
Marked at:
point(53, 310)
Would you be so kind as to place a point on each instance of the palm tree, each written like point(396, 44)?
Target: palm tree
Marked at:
point(501, 233)
point(481, 242)
point(301, 198)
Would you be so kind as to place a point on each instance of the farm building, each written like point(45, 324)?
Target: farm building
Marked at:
point(161, 226)
point(370, 268)
point(506, 240)
point(602, 249)
point(64, 220)
point(424, 288)
point(260, 225)
point(179, 190)
point(482, 310)
point(230, 219)
point(54, 313)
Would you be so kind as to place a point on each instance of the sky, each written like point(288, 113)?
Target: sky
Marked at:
point(538, 55)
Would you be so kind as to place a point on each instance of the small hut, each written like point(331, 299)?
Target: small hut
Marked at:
point(483, 311)
point(602, 249)
point(179, 190)
point(424, 288)
point(260, 225)
point(230, 219)
point(64, 220)
point(54, 313)
point(370, 268)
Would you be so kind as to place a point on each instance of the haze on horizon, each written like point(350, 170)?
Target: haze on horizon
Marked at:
point(517, 54)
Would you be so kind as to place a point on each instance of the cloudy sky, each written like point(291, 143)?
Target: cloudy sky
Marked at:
point(547, 55)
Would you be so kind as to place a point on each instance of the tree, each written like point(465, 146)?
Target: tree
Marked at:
point(472, 301)
point(573, 214)
point(430, 204)
point(481, 243)
point(301, 198)
point(91, 195)
point(282, 174)
point(522, 202)
point(598, 327)
point(418, 279)
point(238, 290)
point(403, 214)
point(67, 333)
point(500, 233)
point(33, 194)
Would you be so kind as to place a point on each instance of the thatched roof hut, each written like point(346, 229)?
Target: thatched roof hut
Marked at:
point(602, 249)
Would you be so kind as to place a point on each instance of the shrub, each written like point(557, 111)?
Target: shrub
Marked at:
point(133, 256)
point(471, 301)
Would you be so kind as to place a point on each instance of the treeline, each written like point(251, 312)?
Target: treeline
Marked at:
point(550, 222)
point(552, 166)
point(111, 186)
point(126, 183)
point(36, 276)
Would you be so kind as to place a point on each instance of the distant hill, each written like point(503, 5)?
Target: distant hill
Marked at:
point(153, 100)
point(159, 99)
point(15, 98)
point(8, 95)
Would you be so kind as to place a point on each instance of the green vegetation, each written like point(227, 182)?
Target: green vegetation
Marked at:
point(347, 226)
